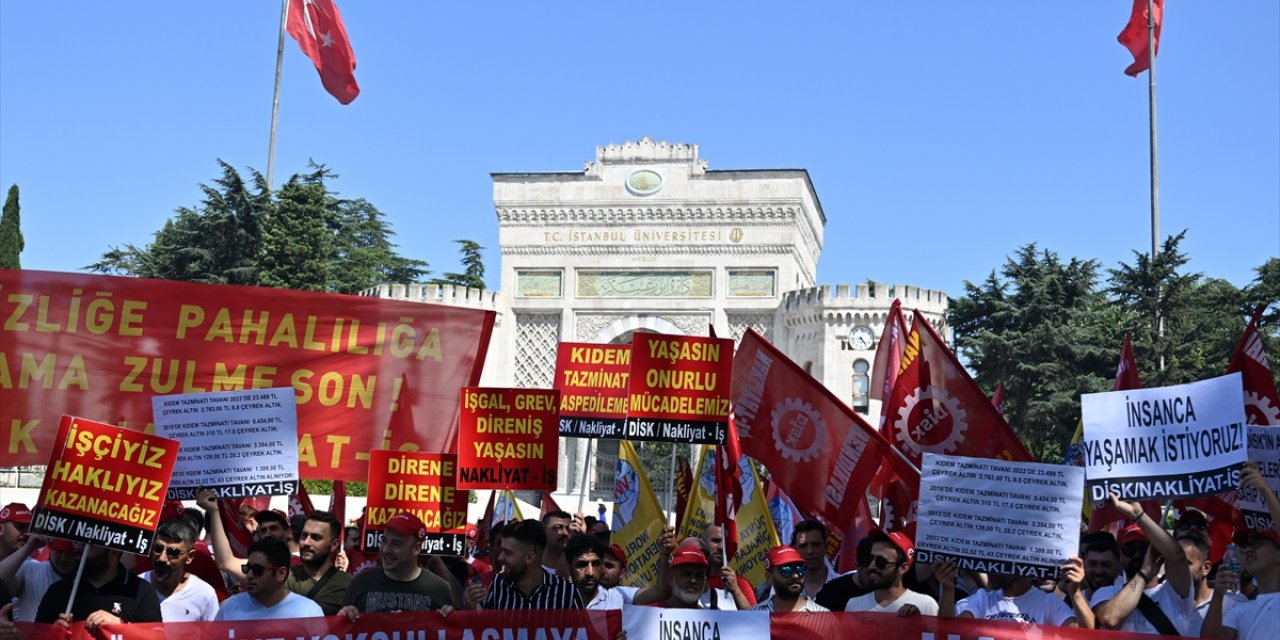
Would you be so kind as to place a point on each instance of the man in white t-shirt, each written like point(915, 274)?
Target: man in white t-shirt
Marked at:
point(1255, 619)
point(892, 555)
point(184, 597)
point(29, 579)
point(1143, 604)
point(586, 555)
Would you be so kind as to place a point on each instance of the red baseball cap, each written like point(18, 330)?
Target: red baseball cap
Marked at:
point(471, 532)
point(897, 539)
point(618, 553)
point(1242, 538)
point(172, 510)
point(688, 556)
point(407, 524)
point(1131, 533)
point(15, 512)
point(780, 555)
point(64, 546)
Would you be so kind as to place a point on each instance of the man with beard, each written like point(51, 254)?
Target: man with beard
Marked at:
point(184, 597)
point(837, 593)
point(266, 597)
point(688, 579)
point(29, 579)
point(317, 577)
point(557, 525)
point(1101, 557)
point(107, 594)
point(722, 575)
point(1144, 604)
point(522, 582)
point(15, 518)
point(892, 555)
point(786, 570)
point(615, 568)
point(586, 555)
point(399, 584)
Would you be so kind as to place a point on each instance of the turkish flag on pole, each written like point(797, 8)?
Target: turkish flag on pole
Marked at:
point(729, 490)
point(1135, 36)
point(317, 26)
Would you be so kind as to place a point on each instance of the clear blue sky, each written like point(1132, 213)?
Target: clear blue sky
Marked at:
point(940, 136)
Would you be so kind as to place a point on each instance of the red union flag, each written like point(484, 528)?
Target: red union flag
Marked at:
point(819, 451)
point(884, 373)
point(1261, 401)
point(936, 407)
point(318, 28)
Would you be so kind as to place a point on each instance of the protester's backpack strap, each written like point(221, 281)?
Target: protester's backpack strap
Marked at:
point(1156, 617)
point(315, 590)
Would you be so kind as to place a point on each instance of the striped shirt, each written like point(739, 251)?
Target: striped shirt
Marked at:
point(554, 593)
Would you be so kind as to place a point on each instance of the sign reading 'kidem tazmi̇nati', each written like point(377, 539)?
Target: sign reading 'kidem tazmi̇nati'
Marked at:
point(1181, 441)
point(679, 389)
point(238, 443)
point(999, 516)
point(593, 380)
point(507, 439)
point(422, 484)
point(105, 485)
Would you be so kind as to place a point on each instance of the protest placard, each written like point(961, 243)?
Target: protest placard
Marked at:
point(1264, 449)
point(679, 389)
point(1180, 441)
point(664, 623)
point(593, 381)
point(368, 373)
point(238, 443)
point(104, 485)
point(422, 484)
point(507, 439)
point(999, 516)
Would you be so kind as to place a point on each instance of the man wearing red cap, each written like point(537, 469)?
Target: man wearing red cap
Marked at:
point(1143, 604)
point(15, 517)
point(688, 579)
point(892, 556)
point(399, 584)
point(1255, 619)
point(30, 579)
point(786, 569)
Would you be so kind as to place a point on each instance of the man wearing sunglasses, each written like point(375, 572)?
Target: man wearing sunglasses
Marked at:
point(892, 555)
point(786, 570)
point(1253, 619)
point(184, 597)
point(266, 597)
point(1144, 604)
point(106, 594)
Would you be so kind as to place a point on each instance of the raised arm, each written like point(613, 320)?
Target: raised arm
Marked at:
point(207, 499)
point(1176, 570)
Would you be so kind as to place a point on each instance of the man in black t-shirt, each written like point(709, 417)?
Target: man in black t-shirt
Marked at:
point(108, 594)
point(836, 593)
point(399, 584)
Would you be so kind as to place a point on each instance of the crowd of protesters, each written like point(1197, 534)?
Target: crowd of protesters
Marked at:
point(1141, 578)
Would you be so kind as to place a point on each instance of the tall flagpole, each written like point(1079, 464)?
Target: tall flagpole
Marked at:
point(1155, 163)
point(275, 100)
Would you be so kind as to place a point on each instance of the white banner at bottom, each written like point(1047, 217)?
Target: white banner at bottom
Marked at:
point(656, 622)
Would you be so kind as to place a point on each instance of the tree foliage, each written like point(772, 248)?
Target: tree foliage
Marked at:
point(1050, 332)
point(473, 274)
point(11, 243)
point(302, 236)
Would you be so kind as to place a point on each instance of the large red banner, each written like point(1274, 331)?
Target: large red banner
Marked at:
point(105, 485)
point(575, 625)
point(508, 439)
point(420, 483)
point(593, 380)
point(366, 373)
point(679, 389)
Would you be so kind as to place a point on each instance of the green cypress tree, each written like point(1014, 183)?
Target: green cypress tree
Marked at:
point(11, 243)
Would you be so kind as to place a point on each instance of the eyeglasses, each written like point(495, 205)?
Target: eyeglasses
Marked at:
point(879, 562)
point(173, 552)
point(255, 569)
point(793, 570)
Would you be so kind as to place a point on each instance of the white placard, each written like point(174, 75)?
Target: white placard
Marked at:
point(658, 622)
point(998, 516)
point(239, 443)
point(1169, 442)
point(1264, 449)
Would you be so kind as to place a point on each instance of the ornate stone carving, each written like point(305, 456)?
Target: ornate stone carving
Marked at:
point(684, 215)
point(644, 284)
point(752, 283)
point(589, 325)
point(691, 325)
point(537, 335)
point(740, 322)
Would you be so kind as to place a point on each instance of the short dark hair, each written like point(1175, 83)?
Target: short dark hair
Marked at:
point(335, 525)
point(1100, 542)
point(1199, 543)
point(805, 526)
point(556, 514)
point(277, 552)
point(530, 532)
point(580, 543)
point(266, 515)
point(296, 522)
point(178, 530)
point(196, 518)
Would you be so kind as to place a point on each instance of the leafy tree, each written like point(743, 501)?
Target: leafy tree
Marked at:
point(298, 249)
point(1041, 326)
point(365, 252)
point(11, 243)
point(473, 275)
